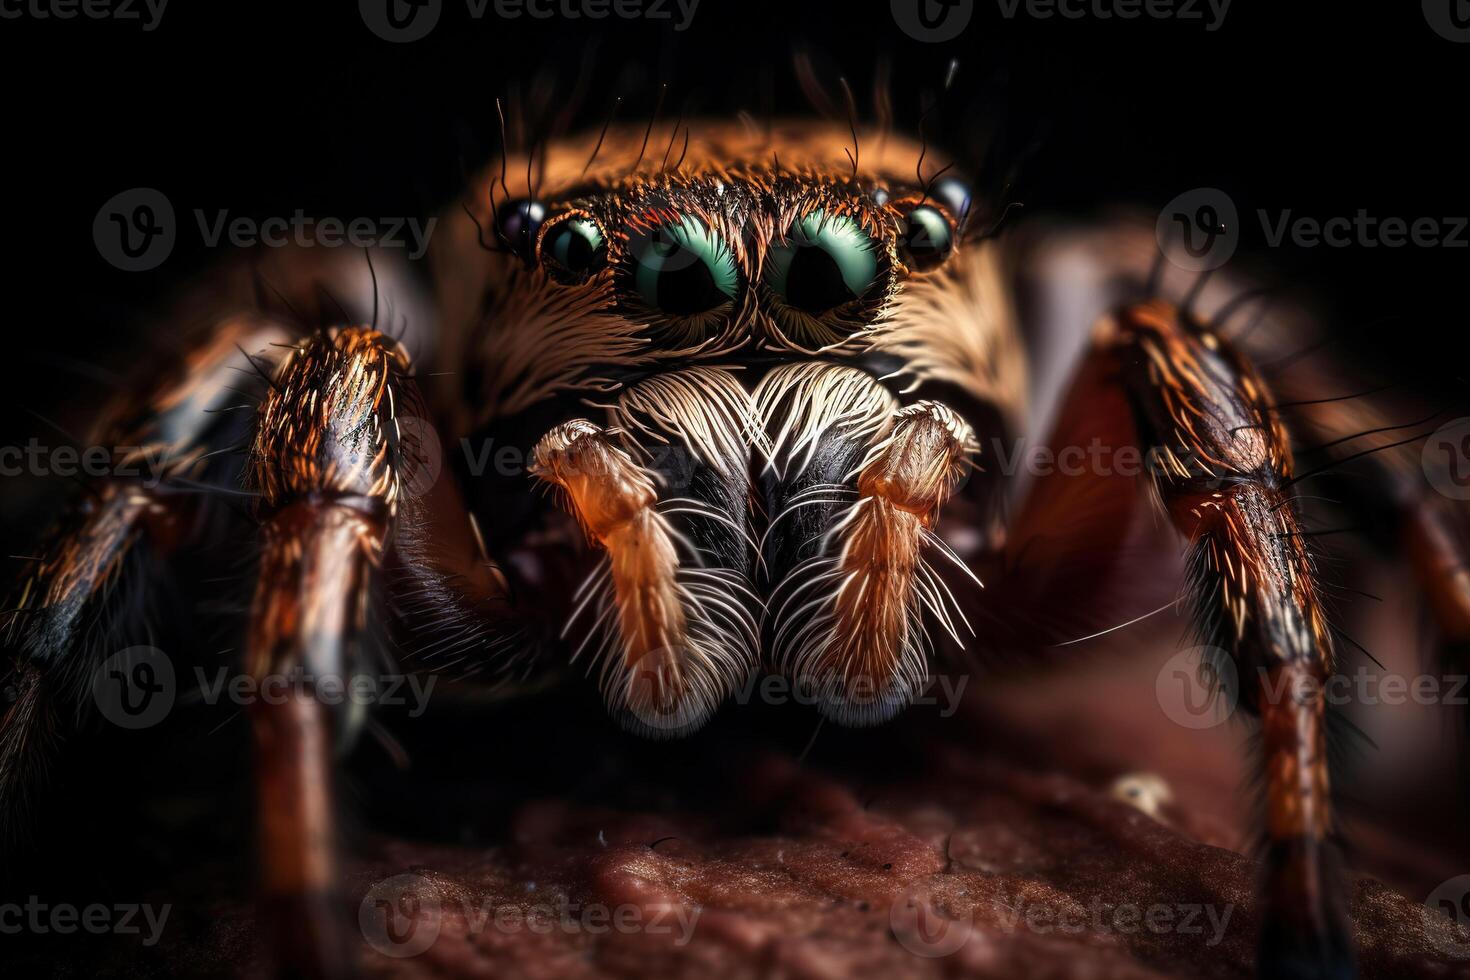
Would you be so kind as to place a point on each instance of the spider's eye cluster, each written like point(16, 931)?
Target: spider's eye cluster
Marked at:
point(825, 262)
point(677, 270)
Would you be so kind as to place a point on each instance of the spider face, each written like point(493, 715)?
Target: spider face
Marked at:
point(730, 343)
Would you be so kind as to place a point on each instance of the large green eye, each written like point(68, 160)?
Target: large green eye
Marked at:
point(826, 261)
point(684, 269)
point(574, 249)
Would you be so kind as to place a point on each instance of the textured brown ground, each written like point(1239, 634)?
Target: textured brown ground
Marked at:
point(1004, 838)
point(994, 844)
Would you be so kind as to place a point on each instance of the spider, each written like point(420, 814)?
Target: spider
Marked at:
point(754, 374)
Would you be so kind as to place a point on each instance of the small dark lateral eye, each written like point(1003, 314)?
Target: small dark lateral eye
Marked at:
point(519, 223)
point(954, 194)
point(927, 238)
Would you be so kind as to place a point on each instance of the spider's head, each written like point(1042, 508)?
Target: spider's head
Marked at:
point(609, 252)
point(747, 314)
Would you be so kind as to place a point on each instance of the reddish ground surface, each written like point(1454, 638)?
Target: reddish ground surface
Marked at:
point(1058, 827)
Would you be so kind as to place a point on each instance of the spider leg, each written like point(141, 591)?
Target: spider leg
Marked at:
point(77, 600)
point(339, 471)
point(343, 468)
point(1222, 472)
point(1393, 456)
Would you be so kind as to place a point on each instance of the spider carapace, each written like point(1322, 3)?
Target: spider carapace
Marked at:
point(735, 383)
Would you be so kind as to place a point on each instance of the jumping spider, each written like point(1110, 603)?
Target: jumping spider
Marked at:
point(755, 372)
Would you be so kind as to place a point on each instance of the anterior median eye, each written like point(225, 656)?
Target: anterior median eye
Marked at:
point(826, 261)
point(683, 269)
point(574, 249)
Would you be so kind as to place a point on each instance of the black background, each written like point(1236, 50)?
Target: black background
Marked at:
point(264, 108)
